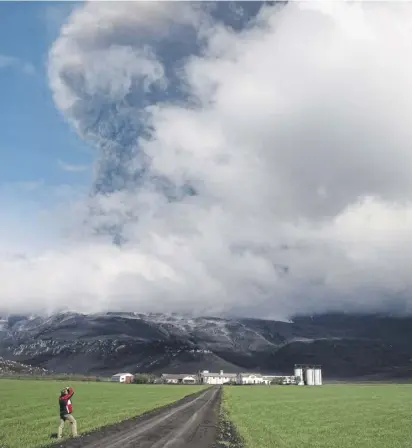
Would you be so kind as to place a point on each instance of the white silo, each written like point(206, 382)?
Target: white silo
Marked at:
point(310, 376)
point(299, 375)
point(317, 376)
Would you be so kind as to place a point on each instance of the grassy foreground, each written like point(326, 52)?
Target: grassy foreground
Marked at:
point(29, 411)
point(338, 416)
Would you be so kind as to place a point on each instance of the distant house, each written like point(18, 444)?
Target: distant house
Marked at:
point(268, 379)
point(183, 378)
point(122, 378)
point(257, 378)
point(249, 378)
point(289, 380)
point(207, 377)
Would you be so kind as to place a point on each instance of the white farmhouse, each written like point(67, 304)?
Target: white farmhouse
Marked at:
point(289, 380)
point(281, 378)
point(207, 377)
point(249, 378)
point(122, 378)
point(257, 378)
point(183, 378)
point(267, 379)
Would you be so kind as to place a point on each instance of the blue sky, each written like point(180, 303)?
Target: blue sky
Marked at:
point(39, 152)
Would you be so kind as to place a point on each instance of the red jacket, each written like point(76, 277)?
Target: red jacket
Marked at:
point(65, 403)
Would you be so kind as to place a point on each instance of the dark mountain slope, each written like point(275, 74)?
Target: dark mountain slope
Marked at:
point(346, 345)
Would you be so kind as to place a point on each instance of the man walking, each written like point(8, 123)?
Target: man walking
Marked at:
point(66, 409)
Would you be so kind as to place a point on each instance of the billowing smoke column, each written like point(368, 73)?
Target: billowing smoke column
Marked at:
point(106, 74)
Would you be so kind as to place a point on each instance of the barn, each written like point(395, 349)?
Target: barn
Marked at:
point(122, 378)
point(169, 378)
point(217, 378)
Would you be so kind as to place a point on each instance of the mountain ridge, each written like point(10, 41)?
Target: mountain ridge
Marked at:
point(347, 345)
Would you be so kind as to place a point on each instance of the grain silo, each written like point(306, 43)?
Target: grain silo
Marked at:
point(318, 376)
point(299, 375)
point(310, 376)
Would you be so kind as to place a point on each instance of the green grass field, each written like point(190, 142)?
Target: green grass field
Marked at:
point(29, 411)
point(338, 416)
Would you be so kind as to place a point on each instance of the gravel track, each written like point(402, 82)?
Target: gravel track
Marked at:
point(189, 423)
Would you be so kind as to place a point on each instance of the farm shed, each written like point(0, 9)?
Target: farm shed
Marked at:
point(122, 378)
point(257, 378)
point(170, 378)
point(249, 378)
point(217, 378)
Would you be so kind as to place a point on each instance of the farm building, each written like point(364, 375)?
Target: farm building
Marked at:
point(268, 379)
point(249, 378)
point(122, 378)
point(206, 377)
point(288, 379)
point(309, 375)
point(257, 378)
point(170, 378)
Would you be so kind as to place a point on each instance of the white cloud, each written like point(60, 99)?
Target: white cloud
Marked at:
point(295, 135)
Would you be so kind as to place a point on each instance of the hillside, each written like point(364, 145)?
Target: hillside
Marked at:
point(8, 367)
point(347, 346)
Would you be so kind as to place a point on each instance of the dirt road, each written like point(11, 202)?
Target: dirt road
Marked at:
point(188, 423)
